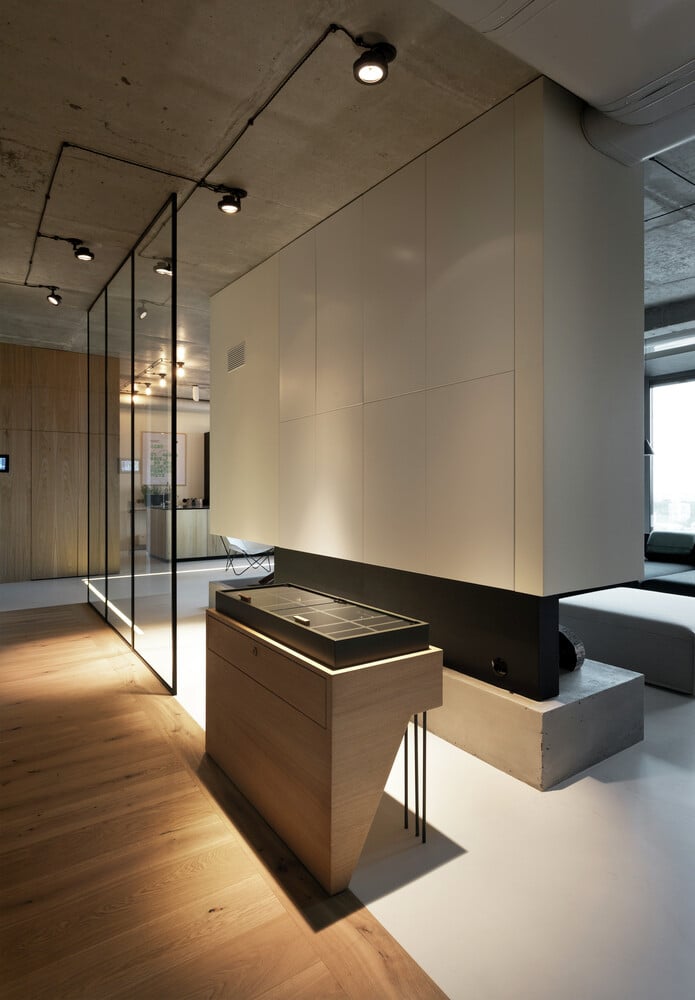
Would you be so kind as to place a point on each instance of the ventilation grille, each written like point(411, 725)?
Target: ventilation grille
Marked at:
point(236, 356)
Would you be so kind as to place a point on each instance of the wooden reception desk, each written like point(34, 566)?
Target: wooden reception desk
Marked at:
point(310, 747)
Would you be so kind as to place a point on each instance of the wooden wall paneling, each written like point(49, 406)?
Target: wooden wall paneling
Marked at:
point(55, 504)
point(15, 387)
point(80, 470)
point(97, 497)
point(59, 398)
point(15, 506)
point(114, 520)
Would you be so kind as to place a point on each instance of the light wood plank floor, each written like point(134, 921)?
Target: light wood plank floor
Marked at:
point(130, 866)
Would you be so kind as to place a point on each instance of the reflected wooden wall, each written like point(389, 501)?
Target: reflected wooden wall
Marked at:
point(43, 498)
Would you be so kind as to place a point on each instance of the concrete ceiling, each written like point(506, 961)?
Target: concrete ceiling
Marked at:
point(111, 109)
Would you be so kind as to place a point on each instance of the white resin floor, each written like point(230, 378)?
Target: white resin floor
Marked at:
point(584, 892)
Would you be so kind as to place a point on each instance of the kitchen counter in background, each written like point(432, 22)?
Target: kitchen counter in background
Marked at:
point(193, 540)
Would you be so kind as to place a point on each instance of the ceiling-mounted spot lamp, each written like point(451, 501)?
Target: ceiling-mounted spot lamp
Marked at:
point(143, 311)
point(230, 202)
point(196, 393)
point(164, 267)
point(162, 379)
point(53, 296)
point(373, 65)
point(148, 388)
point(179, 369)
point(83, 253)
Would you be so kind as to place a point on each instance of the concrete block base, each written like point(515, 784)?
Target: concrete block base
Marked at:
point(599, 711)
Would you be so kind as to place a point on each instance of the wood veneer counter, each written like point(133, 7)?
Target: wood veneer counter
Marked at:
point(311, 747)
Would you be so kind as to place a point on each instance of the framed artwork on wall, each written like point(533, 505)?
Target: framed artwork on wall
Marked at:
point(158, 461)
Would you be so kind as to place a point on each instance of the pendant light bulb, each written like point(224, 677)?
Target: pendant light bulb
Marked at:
point(372, 66)
point(143, 311)
point(164, 267)
point(54, 298)
point(162, 380)
point(148, 390)
point(179, 369)
point(83, 253)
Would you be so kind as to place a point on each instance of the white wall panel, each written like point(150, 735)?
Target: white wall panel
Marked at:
point(297, 493)
point(470, 481)
point(338, 522)
point(394, 284)
point(593, 358)
point(339, 307)
point(395, 467)
point(297, 264)
point(470, 251)
point(244, 408)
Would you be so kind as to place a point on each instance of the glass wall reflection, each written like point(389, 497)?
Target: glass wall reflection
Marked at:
point(119, 462)
point(155, 449)
point(132, 449)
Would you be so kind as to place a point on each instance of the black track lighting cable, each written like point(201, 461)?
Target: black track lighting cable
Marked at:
point(223, 189)
point(46, 199)
point(330, 30)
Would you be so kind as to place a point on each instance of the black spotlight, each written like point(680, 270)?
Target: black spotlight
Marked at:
point(373, 65)
point(54, 298)
point(230, 202)
point(83, 253)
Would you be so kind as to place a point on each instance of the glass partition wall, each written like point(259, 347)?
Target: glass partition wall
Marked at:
point(132, 448)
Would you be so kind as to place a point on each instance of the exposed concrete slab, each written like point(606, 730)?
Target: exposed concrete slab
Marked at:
point(598, 712)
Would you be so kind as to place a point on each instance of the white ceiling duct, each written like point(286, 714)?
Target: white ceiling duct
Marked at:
point(631, 60)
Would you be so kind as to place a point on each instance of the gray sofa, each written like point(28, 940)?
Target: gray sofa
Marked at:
point(669, 564)
point(652, 633)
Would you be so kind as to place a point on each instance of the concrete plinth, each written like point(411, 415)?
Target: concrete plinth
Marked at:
point(599, 711)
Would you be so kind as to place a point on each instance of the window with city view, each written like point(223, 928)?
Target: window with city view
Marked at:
point(673, 464)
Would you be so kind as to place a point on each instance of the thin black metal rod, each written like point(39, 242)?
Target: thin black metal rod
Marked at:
point(424, 777)
point(132, 452)
point(330, 30)
point(417, 781)
point(129, 163)
point(174, 404)
point(405, 779)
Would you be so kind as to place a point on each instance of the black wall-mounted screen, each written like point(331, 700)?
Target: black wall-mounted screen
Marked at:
point(4, 463)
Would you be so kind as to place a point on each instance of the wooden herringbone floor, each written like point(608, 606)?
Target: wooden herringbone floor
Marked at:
point(130, 866)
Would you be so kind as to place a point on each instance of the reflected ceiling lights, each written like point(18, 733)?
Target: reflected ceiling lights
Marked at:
point(164, 267)
point(179, 369)
point(373, 65)
point(53, 296)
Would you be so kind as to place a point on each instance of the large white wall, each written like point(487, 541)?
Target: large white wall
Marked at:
point(445, 376)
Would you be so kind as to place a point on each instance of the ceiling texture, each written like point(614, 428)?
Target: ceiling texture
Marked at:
point(105, 110)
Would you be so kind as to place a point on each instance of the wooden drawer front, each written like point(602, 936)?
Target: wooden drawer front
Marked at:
point(295, 684)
